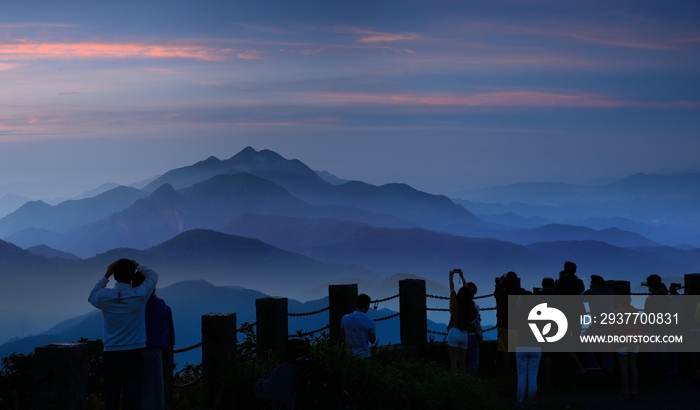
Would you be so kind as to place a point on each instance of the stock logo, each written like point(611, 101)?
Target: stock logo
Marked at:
point(543, 313)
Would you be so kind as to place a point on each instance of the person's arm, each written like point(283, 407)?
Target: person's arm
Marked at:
point(452, 282)
point(101, 284)
point(149, 283)
point(372, 337)
point(461, 276)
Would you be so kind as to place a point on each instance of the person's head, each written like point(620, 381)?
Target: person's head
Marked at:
point(597, 281)
point(548, 283)
point(512, 281)
point(654, 283)
point(124, 270)
point(472, 287)
point(465, 303)
point(569, 268)
point(138, 280)
point(296, 348)
point(362, 302)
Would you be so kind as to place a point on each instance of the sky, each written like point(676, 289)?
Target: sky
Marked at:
point(442, 96)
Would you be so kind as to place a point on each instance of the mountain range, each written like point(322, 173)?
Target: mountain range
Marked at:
point(260, 221)
point(191, 299)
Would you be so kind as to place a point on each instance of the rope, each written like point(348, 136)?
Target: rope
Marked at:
point(448, 298)
point(246, 327)
point(309, 333)
point(489, 329)
point(187, 349)
point(309, 313)
point(438, 297)
point(434, 332)
point(437, 309)
point(182, 386)
point(385, 299)
point(387, 317)
point(488, 308)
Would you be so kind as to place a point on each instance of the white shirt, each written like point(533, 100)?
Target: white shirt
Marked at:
point(357, 327)
point(123, 309)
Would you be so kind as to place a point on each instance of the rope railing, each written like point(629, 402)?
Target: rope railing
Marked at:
point(438, 297)
point(437, 309)
point(385, 299)
point(193, 382)
point(315, 312)
point(308, 333)
point(187, 349)
point(245, 326)
point(387, 317)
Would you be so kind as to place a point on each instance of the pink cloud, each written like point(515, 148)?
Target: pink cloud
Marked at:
point(250, 55)
point(371, 37)
point(110, 50)
point(6, 66)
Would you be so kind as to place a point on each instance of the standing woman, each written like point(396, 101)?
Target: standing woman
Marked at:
point(461, 311)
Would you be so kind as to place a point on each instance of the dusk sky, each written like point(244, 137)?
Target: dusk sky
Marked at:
point(440, 95)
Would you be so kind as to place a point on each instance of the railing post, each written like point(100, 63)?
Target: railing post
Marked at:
point(60, 376)
point(218, 355)
point(342, 300)
point(168, 376)
point(413, 313)
point(692, 284)
point(272, 325)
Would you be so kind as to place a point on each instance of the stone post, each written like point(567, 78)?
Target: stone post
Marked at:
point(218, 355)
point(692, 284)
point(342, 300)
point(60, 377)
point(272, 325)
point(413, 314)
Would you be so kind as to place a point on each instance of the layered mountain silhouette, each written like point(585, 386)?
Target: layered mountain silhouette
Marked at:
point(430, 211)
point(68, 214)
point(263, 222)
point(191, 299)
point(57, 288)
point(662, 208)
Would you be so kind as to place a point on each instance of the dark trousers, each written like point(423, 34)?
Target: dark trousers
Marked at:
point(122, 374)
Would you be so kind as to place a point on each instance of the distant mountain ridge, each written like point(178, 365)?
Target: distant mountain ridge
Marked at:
point(400, 200)
point(68, 214)
point(34, 283)
point(189, 300)
point(210, 204)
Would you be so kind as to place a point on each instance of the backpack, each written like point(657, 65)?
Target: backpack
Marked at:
point(317, 387)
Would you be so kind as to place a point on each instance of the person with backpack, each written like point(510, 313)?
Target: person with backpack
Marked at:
point(301, 382)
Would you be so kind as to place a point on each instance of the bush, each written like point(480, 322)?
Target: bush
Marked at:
point(386, 381)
